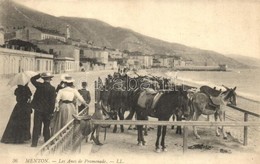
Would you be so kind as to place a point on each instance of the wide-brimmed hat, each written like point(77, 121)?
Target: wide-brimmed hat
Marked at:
point(46, 75)
point(62, 77)
point(68, 79)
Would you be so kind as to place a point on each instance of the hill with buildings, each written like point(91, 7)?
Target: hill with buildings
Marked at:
point(14, 16)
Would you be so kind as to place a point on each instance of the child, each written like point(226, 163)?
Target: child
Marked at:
point(86, 95)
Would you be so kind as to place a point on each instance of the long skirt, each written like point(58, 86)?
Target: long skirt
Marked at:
point(63, 116)
point(18, 126)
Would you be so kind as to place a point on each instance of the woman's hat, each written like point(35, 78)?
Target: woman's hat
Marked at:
point(62, 77)
point(46, 75)
point(68, 79)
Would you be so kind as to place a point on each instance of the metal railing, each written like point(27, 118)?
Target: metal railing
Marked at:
point(69, 138)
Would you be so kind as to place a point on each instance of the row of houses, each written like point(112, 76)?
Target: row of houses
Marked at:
point(39, 49)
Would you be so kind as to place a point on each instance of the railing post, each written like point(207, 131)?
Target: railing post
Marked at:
point(185, 138)
point(245, 129)
point(96, 85)
point(207, 117)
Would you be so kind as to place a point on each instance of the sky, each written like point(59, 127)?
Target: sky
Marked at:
point(225, 26)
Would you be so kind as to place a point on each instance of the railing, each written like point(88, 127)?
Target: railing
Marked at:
point(184, 124)
point(246, 113)
point(67, 140)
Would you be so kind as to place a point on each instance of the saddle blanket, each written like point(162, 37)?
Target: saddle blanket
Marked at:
point(145, 96)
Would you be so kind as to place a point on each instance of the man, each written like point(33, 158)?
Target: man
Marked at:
point(86, 95)
point(43, 104)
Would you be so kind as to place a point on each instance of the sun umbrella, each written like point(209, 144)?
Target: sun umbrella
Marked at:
point(21, 78)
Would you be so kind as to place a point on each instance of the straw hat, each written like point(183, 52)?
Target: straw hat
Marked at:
point(62, 77)
point(68, 79)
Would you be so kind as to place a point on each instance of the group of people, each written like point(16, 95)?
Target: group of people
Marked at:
point(47, 102)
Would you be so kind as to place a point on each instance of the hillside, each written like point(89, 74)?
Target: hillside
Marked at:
point(252, 62)
point(15, 15)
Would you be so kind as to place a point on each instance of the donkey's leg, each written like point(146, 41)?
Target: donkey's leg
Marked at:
point(145, 130)
point(159, 131)
point(97, 136)
point(115, 126)
point(163, 138)
point(173, 119)
point(139, 135)
point(142, 135)
point(195, 118)
point(121, 117)
point(92, 135)
point(216, 115)
point(221, 118)
point(178, 130)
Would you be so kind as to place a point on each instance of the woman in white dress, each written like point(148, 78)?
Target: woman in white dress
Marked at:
point(65, 106)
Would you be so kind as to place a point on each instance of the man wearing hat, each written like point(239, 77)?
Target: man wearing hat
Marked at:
point(43, 104)
point(86, 95)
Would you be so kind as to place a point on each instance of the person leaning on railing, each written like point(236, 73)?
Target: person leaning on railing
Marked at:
point(65, 106)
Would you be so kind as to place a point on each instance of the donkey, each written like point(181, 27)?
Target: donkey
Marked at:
point(168, 103)
point(210, 101)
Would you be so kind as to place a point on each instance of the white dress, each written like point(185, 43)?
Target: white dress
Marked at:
point(65, 101)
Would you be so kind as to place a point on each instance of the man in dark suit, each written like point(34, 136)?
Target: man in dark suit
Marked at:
point(43, 104)
point(86, 95)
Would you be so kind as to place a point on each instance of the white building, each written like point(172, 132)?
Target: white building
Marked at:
point(15, 61)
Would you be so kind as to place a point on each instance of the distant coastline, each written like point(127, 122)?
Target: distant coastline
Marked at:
point(201, 68)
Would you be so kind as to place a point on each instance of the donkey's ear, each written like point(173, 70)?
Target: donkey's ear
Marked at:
point(234, 88)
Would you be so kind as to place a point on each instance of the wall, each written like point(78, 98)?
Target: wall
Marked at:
point(14, 61)
point(50, 36)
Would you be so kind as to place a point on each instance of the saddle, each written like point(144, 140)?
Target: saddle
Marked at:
point(213, 95)
point(148, 100)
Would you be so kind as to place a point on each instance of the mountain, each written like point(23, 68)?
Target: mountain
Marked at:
point(13, 16)
point(251, 61)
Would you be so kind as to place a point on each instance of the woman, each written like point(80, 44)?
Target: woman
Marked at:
point(65, 106)
point(62, 83)
point(18, 127)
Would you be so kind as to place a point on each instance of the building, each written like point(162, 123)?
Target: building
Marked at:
point(165, 60)
point(140, 61)
point(94, 57)
point(178, 63)
point(38, 33)
point(66, 57)
point(14, 61)
point(2, 36)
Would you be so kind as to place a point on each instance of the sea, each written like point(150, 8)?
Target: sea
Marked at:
point(246, 82)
